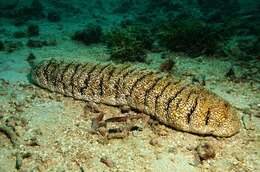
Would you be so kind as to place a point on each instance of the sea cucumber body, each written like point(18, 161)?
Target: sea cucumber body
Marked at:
point(181, 106)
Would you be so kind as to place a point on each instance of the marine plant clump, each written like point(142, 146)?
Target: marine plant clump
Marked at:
point(133, 52)
point(53, 16)
point(33, 30)
point(129, 44)
point(218, 10)
point(124, 6)
point(193, 37)
point(89, 35)
point(23, 14)
point(2, 47)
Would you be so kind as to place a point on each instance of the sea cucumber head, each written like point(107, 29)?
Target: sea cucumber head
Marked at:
point(223, 118)
point(37, 74)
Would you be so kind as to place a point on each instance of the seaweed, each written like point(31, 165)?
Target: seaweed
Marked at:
point(166, 5)
point(89, 35)
point(133, 52)
point(53, 16)
point(123, 7)
point(2, 46)
point(37, 43)
point(190, 36)
point(19, 34)
point(22, 15)
point(32, 30)
point(130, 43)
point(217, 10)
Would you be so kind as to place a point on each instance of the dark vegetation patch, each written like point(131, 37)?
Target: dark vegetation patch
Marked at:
point(53, 16)
point(193, 37)
point(124, 6)
point(23, 14)
point(90, 35)
point(2, 46)
point(11, 46)
point(129, 43)
point(37, 43)
point(193, 27)
point(218, 27)
point(33, 30)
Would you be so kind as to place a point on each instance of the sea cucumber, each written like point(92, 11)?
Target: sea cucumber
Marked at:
point(185, 107)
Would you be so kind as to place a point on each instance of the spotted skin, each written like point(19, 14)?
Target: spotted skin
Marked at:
point(183, 107)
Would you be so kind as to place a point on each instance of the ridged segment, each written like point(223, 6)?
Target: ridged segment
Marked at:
point(166, 96)
point(139, 92)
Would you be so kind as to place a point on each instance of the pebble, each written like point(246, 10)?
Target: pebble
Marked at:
point(107, 161)
point(205, 151)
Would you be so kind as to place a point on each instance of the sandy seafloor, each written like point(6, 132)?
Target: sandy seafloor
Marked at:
point(54, 130)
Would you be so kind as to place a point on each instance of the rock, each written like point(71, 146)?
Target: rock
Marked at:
point(205, 151)
point(107, 161)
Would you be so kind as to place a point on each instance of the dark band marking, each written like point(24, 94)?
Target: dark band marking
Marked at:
point(52, 72)
point(192, 110)
point(111, 72)
point(55, 73)
point(129, 73)
point(101, 92)
point(124, 68)
point(160, 95)
point(172, 99)
point(101, 82)
point(147, 92)
point(181, 99)
point(45, 70)
point(119, 79)
point(207, 117)
point(83, 70)
point(63, 75)
point(86, 81)
point(77, 67)
point(139, 80)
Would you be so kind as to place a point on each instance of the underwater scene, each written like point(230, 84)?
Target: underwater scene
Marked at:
point(130, 85)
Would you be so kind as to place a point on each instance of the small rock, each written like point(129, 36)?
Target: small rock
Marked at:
point(154, 142)
point(205, 151)
point(108, 162)
point(167, 65)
